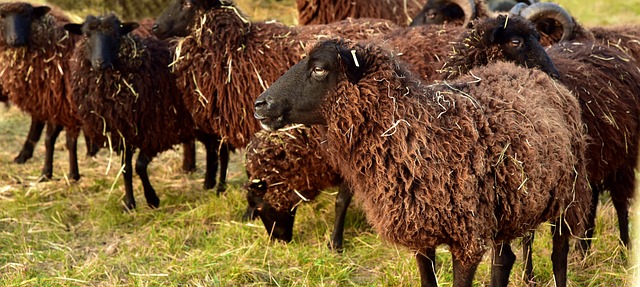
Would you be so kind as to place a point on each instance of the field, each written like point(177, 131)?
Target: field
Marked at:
point(65, 233)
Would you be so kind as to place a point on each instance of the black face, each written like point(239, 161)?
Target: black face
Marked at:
point(15, 22)
point(297, 95)
point(279, 224)
point(436, 12)
point(104, 35)
point(179, 16)
point(519, 43)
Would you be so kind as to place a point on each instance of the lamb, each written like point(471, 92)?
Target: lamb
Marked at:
point(286, 168)
point(507, 140)
point(126, 95)
point(314, 12)
point(607, 87)
point(32, 71)
point(219, 74)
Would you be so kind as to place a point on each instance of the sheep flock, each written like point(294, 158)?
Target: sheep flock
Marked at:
point(452, 131)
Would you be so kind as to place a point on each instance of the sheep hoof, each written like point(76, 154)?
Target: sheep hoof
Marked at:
point(209, 184)
point(44, 178)
point(335, 246)
point(74, 176)
point(128, 207)
point(153, 202)
point(21, 158)
point(221, 189)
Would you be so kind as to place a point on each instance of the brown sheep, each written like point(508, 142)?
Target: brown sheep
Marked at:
point(314, 12)
point(607, 88)
point(32, 71)
point(224, 59)
point(470, 164)
point(126, 95)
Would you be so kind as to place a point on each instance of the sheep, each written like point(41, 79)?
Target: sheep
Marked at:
point(219, 74)
point(507, 140)
point(126, 95)
point(314, 12)
point(33, 65)
point(286, 168)
point(607, 87)
point(461, 12)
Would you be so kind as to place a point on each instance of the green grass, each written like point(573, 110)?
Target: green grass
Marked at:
point(62, 233)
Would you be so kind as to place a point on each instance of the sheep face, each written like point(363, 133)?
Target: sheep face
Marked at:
point(103, 36)
point(279, 224)
point(297, 95)
point(177, 19)
point(438, 12)
point(15, 22)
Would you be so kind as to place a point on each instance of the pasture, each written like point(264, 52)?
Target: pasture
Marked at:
point(66, 233)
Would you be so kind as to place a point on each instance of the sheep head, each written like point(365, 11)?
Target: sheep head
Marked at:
point(297, 95)
point(15, 22)
point(279, 224)
point(445, 11)
point(177, 19)
point(103, 37)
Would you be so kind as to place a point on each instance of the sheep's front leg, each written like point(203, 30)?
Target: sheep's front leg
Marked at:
point(189, 156)
point(224, 164)
point(427, 268)
point(53, 131)
point(72, 147)
point(92, 149)
point(560, 252)
point(129, 200)
point(590, 222)
point(35, 130)
point(343, 199)
point(501, 264)
point(212, 159)
point(141, 169)
point(463, 273)
point(527, 249)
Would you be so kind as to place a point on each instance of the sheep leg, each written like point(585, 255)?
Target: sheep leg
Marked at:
point(527, 244)
point(212, 159)
point(501, 264)
point(72, 147)
point(92, 149)
point(463, 274)
point(224, 164)
point(189, 156)
point(53, 131)
point(343, 199)
point(560, 252)
point(590, 222)
point(35, 130)
point(129, 200)
point(141, 169)
point(622, 191)
point(427, 268)
point(622, 209)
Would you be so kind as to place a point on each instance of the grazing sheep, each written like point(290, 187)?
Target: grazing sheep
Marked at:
point(126, 95)
point(224, 59)
point(34, 59)
point(314, 12)
point(607, 88)
point(471, 163)
point(286, 168)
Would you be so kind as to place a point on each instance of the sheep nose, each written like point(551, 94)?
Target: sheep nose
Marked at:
point(15, 41)
point(260, 106)
point(155, 28)
point(100, 64)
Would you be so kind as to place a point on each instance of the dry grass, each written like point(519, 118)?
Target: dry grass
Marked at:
point(62, 233)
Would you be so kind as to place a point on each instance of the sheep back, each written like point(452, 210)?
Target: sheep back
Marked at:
point(625, 38)
point(137, 103)
point(288, 160)
point(324, 12)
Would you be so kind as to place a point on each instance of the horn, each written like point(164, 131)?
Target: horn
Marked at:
point(517, 9)
point(468, 8)
point(553, 11)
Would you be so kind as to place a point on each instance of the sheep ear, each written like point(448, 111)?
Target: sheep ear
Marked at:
point(492, 35)
point(210, 4)
point(75, 29)
point(126, 28)
point(354, 62)
point(40, 11)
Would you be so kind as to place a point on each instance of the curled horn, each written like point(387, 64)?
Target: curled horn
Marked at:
point(468, 8)
point(553, 11)
point(518, 8)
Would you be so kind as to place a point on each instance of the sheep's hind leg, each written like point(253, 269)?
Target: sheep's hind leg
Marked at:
point(527, 248)
point(53, 131)
point(343, 199)
point(92, 149)
point(211, 151)
point(189, 156)
point(427, 268)
point(141, 169)
point(560, 252)
point(224, 164)
point(463, 274)
point(590, 222)
point(501, 264)
point(35, 130)
point(129, 200)
point(72, 147)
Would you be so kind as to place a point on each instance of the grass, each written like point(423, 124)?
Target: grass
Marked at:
point(62, 233)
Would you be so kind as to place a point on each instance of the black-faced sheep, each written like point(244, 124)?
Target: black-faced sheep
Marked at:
point(224, 59)
point(313, 12)
point(286, 168)
point(461, 12)
point(607, 87)
point(470, 164)
point(126, 95)
point(33, 68)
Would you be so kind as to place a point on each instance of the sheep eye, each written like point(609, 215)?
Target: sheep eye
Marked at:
point(516, 42)
point(188, 4)
point(318, 71)
point(431, 15)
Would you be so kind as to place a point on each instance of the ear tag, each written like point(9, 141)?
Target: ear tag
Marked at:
point(355, 59)
point(505, 22)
